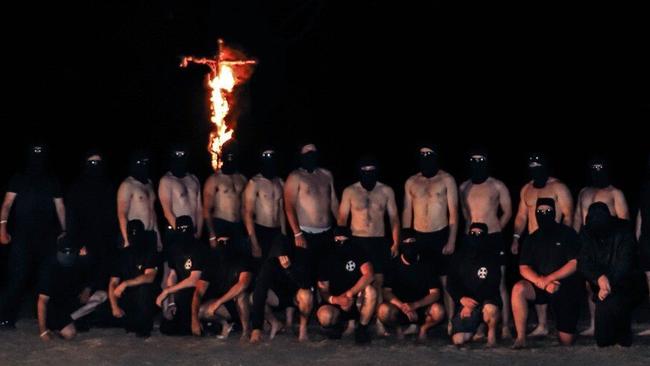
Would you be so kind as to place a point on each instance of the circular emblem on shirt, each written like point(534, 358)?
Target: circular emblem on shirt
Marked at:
point(482, 273)
point(188, 264)
point(350, 266)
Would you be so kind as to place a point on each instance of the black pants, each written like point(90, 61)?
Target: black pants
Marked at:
point(138, 305)
point(272, 277)
point(181, 323)
point(318, 248)
point(30, 252)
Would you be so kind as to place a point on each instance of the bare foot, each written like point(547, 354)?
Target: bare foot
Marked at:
point(540, 331)
point(480, 333)
point(491, 339)
point(245, 335)
point(449, 328)
point(256, 336)
point(302, 336)
point(644, 333)
point(589, 332)
point(276, 327)
point(226, 328)
point(381, 330)
point(422, 336)
point(411, 329)
point(505, 332)
point(519, 344)
point(350, 329)
point(400, 333)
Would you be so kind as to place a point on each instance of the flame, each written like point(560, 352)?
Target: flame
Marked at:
point(229, 69)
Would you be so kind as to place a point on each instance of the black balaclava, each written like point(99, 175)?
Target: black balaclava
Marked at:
point(178, 162)
point(185, 231)
point(410, 252)
point(268, 164)
point(139, 166)
point(545, 218)
point(538, 170)
point(478, 165)
point(476, 238)
point(37, 159)
point(94, 166)
point(66, 252)
point(368, 173)
point(599, 220)
point(309, 159)
point(428, 156)
point(599, 173)
point(229, 157)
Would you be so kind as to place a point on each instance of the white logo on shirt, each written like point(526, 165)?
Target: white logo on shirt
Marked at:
point(188, 264)
point(482, 273)
point(350, 266)
point(558, 244)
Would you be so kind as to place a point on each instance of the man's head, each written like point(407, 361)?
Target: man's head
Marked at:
point(538, 169)
point(229, 157)
point(94, 165)
point(178, 161)
point(599, 173)
point(139, 166)
point(368, 172)
point(37, 158)
point(308, 157)
point(478, 165)
point(599, 220)
point(545, 213)
point(428, 157)
point(268, 163)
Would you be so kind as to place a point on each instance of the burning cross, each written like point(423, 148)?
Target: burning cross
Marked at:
point(223, 78)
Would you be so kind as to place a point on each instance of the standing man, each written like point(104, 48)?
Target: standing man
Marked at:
point(643, 231)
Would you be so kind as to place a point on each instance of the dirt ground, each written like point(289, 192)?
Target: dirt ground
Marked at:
point(114, 347)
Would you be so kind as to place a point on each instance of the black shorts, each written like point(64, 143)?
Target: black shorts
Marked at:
point(286, 294)
point(422, 316)
point(265, 237)
point(467, 325)
point(565, 303)
point(644, 253)
point(309, 260)
point(58, 313)
point(499, 244)
point(430, 247)
point(377, 250)
point(344, 316)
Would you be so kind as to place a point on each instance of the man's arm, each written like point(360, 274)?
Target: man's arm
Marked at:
point(148, 277)
point(208, 205)
point(190, 281)
point(393, 218)
point(123, 204)
point(565, 271)
point(620, 205)
point(334, 201)
point(199, 208)
point(250, 195)
point(452, 206)
point(529, 274)
point(7, 203)
point(565, 203)
point(199, 291)
point(165, 196)
point(241, 285)
point(407, 212)
point(42, 313)
point(637, 229)
point(505, 203)
point(281, 215)
point(367, 276)
point(578, 215)
point(430, 298)
point(112, 298)
point(521, 219)
point(291, 190)
point(344, 208)
point(60, 212)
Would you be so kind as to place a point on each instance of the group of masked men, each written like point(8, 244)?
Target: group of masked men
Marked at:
point(237, 252)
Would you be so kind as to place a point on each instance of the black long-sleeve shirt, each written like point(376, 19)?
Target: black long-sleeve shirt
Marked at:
point(475, 273)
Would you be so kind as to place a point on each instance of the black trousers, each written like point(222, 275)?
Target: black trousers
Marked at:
point(613, 319)
point(139, 308)
point(181, 323)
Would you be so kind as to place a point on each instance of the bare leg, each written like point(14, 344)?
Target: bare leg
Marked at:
point(243, 308)
point(304, 300)
point(369, 305)
point(449, 303)
point(566, 339)
point(459, 339)
point(378, 284)
point(522, 292)
point(589, 332)
point(435, 315)
point(647, 331)
point(542, 325)
point(289, 312)
point(68, 332)
point(276, 325)
point(491, 318)
point(506, 310)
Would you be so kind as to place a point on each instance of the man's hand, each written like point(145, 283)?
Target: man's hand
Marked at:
point(602, 294)
point(341, 238)
point(394, 250)
point(300, 241)
point(541, 282)
point(119, 290)
point(449, 248)
point(552, 287)
point(62, 235)
point(163, 295)
point(197, 329)
point(468, 302)
point(213, 241)
point(83, 251)
point(212, 309)
point(117, 312)
point(603, 283)
point(84, 296)
point(256, 251)
point(5, 238)
point(343, 301)
point(514, 247)
point(285, 262)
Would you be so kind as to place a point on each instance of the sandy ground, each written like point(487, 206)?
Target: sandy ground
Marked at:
point(114, 347)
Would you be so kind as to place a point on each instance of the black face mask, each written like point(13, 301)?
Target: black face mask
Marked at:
point(229, 163)
point(599, 220)
point(140, 169)
point(479, 169)
point(539, 175)
point(545, 219)
point(429, 164)
point(476, 242)
point(410, 252)
point(268, 166)
point(36, 160)
point(599, 175)
point(368, 179)
point(94, 169)
point(178, 165)
point(309, 161)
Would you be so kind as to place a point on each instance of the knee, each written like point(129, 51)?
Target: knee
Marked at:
point(304, 297)
point(370, 295)
point(519, 290)
point(326, 316)
point(69, 332)
point(458, 339)
point(386, 313)
point(490, 313)
point(437, 312)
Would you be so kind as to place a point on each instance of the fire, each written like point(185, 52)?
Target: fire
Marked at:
point(228, 70)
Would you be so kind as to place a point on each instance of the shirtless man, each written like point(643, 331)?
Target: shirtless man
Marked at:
point(599, 190)
point(310, 202)
point(222, 199)
point(367, 202)
point(541, 185)
point(431, 209)
point(264, 206)
point(180, 192)
point(481, 197)
point(136, 198)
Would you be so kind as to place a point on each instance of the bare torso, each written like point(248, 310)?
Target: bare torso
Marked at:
point(268, 201)
point(313, 203)
point(141, 199)
point(227, 190)
point(481, 203)
point(368, 209)
point(184, 195)
point(429, 197)
point(607, 195)
point(552, 189)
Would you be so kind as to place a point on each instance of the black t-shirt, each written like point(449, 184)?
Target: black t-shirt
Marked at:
point(185, 260)
point(475, 273)
point(409, 282)
point(644, 210)
point(342, 267)
point(221, 269)
point(34, 201)
point(62, 283)
point(132, 262)
point(546, 252)
point(91, 214)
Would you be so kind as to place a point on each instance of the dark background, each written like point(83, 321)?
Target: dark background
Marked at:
point(356, 76)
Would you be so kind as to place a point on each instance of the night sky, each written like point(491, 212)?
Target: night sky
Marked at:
point(356, 76)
